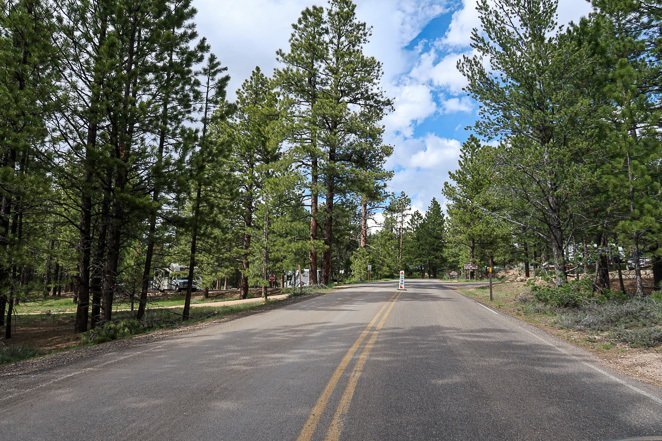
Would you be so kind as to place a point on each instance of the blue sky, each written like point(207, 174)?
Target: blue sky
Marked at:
point(418, 42)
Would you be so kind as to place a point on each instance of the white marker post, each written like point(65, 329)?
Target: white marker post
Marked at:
point(401, 285)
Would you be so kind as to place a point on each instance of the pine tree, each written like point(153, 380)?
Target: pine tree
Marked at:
point(432, 239)
point(300, 82)
point(529, 101)
point(27, 94)
point(327, 74)
point(254, 151)
point(351, 105)
point(206, 178)
point(175, 92)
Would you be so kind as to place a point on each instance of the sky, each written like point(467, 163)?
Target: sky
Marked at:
point(418, 42)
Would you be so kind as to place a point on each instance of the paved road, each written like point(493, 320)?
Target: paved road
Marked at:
point(365, 363)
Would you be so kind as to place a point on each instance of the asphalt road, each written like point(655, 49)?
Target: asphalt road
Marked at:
point(366, 363)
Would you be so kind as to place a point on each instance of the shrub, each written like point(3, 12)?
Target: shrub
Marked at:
point(641, 338)
point(604, 317)
point(11, 354)
point(112, 331)
point(570, 295)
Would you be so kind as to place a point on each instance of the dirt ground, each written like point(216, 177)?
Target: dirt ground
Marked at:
point(644, 364)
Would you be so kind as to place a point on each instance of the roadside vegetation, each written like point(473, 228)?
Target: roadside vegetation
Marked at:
point(601, 320)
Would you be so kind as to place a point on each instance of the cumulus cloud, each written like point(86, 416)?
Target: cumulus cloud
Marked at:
point(463, 22)
point(466, 18)
point(248, 33)
point(438, 152)
point(443, 74)
point(456, 105)
point(413, 103)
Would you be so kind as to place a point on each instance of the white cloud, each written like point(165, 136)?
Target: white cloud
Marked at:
point(438, 152)
point(423, 165)
point(247, 33)
point(443, 74)
point(466, 18)
point(413, 104)
point(455, 105)
point(463, 22)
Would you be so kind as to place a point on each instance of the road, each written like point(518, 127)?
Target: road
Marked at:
point(364, 363)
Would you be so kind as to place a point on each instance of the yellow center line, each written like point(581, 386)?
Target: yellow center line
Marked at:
point(336, 426)
point(309, 428)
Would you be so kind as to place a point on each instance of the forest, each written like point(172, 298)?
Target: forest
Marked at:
point(122, 154)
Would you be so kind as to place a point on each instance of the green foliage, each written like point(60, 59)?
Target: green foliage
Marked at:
point(570, 295)
point(114, 330)
point(360, 262)
point(14, 353)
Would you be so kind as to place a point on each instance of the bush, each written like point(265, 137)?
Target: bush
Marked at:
point(360, 260)
point(11, 354)
point(112, 331)
point(570, 295)
point(613, 296)
point(639, 338)
point(604, 317)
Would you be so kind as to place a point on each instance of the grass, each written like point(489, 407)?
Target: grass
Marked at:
point(601, 325)
point(11, 354)
point(66, 305)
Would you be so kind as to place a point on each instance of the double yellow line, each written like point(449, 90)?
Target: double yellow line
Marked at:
point(335, 428)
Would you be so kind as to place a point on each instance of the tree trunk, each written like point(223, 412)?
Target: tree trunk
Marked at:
point(56, 278)
point(245, 263)
point(10, 311)
point(527, 270)
point(657, 272)
point(96, 284)
point(85, 239)
point(48, 268)
point(638, 280)
point(85, 253)
point(559, 262)
point(602, 263)
point(328, 226)
point(246, 244)
point(363, 240)
point(472, 251)
point(265, 254)
point(3, 308)
point(121, 138)
point(621, 283)
point(314, 211)
point(192, 257)
point(147, 270)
